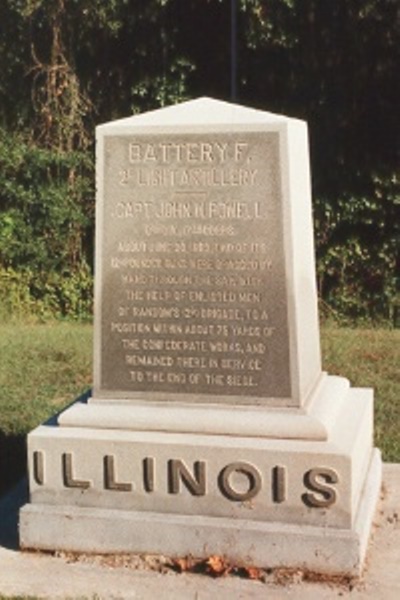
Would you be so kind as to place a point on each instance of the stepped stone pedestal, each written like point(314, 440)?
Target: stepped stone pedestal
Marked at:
point(211, 428)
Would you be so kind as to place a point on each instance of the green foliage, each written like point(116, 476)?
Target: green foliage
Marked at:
point(162, 90)
point(46, 224)
point(46, 295)
point(357, 251)
point(47, 204)
point(15, 297)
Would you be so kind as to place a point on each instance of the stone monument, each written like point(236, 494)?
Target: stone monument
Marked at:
point(211, 428)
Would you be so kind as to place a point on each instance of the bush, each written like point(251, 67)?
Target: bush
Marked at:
point(46, 229)
point(357, 254)
point(27, 294)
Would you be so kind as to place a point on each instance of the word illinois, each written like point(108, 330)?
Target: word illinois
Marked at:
point(319, 482)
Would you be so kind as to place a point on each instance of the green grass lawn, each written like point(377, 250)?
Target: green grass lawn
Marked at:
point(370, 358)
point(44, 367)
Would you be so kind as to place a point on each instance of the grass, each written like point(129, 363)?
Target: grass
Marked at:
point(42, 368)
point(370, 358)
point(45, 367)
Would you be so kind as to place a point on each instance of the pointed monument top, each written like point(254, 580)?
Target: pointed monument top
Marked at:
point(202, 111)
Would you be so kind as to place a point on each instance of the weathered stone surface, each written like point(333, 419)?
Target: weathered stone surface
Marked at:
point(312, 422)
point(267, 544)
point(292, 481)
point(206, 280)
point(138, 576)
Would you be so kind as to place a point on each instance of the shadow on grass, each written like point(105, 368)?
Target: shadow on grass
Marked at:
point(13, 486)
point(12, 460)
point(13, 479)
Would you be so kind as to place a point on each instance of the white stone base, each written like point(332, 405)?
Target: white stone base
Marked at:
point(312, 422)
point(268, 545)
point(295, 502)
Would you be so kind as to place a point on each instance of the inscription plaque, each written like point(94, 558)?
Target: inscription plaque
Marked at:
point(193, 276)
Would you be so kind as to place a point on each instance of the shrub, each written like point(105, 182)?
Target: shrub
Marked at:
point(46, 228)
point(357, 250)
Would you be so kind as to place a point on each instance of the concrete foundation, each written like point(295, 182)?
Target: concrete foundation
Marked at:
point(269, 502)
point(269, 545)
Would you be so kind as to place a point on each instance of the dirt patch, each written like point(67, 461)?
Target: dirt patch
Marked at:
point(212, 566)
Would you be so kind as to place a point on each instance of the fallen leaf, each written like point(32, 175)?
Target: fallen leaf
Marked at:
point(183, 564)
point(253, 573)
point(217, 566)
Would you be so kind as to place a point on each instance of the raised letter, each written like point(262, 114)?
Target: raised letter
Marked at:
point(326, 495)
point(179, 471)
point(68, 476)
point(148, 474)
point(38, 467)
point(240, 147)
point(279, 475)
point(134, 153)
point(254, 479)
point(110, 482)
